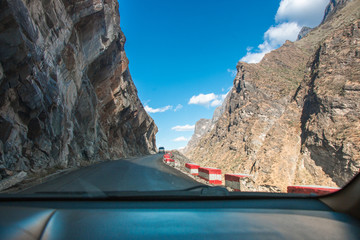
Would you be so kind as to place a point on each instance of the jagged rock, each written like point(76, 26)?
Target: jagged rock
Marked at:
point(1, 73)
point(11, 181)
point(204, 126)
point(201, 127)
point(303, 32)
point(294, 117)
point(333, 7)
point(330, 96)
point(66, 92)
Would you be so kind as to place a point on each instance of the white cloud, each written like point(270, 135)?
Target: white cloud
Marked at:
point(233, 72)
point(277, 35)
point(304, 12)
point(180, 139)
point(223, 96)
point(162, 109)
point(274, 37)
point(220, 99)
point(184, 128)
point(202, 99)
point(216, 102)
point(254, 57)
point(178, 107)
point(207, 100)
point(291, 16)
point(248, 49)
point(156, 110)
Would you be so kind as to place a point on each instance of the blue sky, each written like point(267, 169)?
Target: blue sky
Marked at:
point(183, 54)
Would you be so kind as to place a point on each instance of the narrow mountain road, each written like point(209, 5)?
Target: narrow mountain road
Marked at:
point(146, 173)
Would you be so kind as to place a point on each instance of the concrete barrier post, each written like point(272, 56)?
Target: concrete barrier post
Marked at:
point(212, 175)
point(169, 161)
point(308, 189)
point(192, 168)
point(238, 181)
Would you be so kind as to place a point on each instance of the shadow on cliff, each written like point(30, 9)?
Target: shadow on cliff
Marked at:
point(313, 138)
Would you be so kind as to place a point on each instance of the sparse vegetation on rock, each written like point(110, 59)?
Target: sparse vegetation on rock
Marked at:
point(294, 118)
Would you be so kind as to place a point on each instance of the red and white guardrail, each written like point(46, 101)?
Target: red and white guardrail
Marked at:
point(307, 189)
point(192, 168)
point(168, 160)
point(239, 181)
point(212, 175)
point(236, 181)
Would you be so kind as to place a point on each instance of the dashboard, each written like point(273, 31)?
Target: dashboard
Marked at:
point(186, 218)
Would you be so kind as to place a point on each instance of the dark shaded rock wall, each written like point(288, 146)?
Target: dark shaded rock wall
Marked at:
point(66, 93)
point(330, 101)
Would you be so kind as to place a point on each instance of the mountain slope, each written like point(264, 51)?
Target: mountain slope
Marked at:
point(294, 117)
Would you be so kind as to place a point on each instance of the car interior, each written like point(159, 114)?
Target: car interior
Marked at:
point(198, 213)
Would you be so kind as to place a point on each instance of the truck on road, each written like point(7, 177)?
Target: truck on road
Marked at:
point(161, 150)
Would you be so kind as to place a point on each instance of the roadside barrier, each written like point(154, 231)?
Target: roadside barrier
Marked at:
point(237, 181)
point(212, 175)
point(307, 189)
point(168, 154)
point(192, 168)
point(242, 182)
point(169, 161)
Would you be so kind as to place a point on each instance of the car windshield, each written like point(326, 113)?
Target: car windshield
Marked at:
point(132, 98)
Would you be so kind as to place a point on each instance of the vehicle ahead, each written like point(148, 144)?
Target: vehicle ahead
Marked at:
point(201, 212)
point(161, 150)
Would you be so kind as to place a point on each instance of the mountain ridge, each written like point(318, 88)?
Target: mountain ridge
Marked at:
point(270, 129)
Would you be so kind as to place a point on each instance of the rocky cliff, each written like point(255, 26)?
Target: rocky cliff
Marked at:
point(294, 118)
point(333, 7)
point(303, 32)
point(203, 127)
point(66, 93)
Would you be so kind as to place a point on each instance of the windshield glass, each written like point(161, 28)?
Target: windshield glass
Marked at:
point(101, 97)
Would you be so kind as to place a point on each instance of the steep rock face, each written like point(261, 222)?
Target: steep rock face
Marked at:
point(303, 32)
point(330, 97)
point(294, 117)
point(66, 90)
point(333, 7)
point(204, 126)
